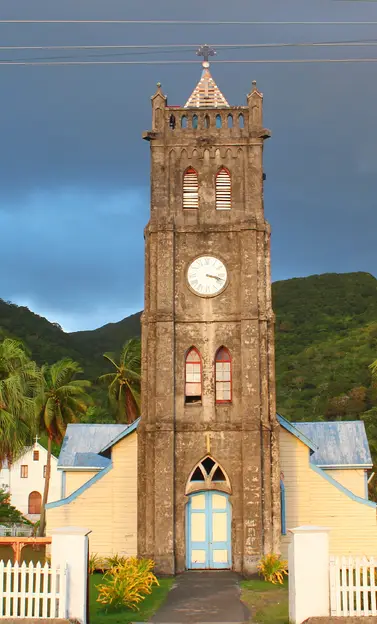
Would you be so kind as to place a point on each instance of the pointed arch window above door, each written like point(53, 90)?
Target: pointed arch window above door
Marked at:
point(190, 189)
point(193, 373)
point(223, 190)
point(208, 471)
point(223, 376)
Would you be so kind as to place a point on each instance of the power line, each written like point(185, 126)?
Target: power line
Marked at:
point(196, 22)
point(189, 47)
point(164, 62)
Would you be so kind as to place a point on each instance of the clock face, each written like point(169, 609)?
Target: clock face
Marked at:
point(207, 276)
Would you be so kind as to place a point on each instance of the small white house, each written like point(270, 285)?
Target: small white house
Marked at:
point(25, 481)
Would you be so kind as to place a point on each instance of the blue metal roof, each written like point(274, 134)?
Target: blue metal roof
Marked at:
point(90, 460)
point(340, 443)
point(296, 432)
point(82, 443)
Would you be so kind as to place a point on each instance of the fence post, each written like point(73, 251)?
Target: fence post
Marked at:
point(308, 564)
point(70, 547)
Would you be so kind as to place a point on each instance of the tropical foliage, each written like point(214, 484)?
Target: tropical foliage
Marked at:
point(19, 378)
point(127, 584)
point(61, 399)
point(272, 568)
point(96, 563)
point(8, 513)
point(124, 382)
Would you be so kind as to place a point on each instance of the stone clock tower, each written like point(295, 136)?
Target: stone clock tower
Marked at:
point(208, 465)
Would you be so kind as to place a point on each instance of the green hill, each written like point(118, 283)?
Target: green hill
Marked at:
point(326, 336)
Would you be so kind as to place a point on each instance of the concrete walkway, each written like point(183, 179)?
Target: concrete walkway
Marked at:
point(203, 597)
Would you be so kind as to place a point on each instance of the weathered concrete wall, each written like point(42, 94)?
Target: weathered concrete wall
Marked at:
point(243, 433)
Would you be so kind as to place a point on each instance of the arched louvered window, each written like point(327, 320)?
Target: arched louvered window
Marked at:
point(193, 374)
point(223, 190)
point(35, 503)
point(190, 189)
point(223, 376)
point(195, 122)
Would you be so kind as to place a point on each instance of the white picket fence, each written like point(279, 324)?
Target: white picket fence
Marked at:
point(32, 591)
point(353, 586)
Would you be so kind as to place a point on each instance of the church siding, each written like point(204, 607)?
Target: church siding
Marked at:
point(108, 507)
point(351, 478)
point(75, 479)
point(313, 499)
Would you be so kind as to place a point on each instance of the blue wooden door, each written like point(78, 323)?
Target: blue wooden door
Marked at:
point(208, 531)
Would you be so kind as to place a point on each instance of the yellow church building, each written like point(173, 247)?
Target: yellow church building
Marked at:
point(210, 477)
point(322, 485)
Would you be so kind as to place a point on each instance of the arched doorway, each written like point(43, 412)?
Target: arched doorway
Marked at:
point(35, 503)
point(208, 531)
point(208, 517)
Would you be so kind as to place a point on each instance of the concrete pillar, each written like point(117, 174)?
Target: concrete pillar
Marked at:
point(70, 547)
point(308, 565)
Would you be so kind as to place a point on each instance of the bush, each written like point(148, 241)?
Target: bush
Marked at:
point(127, 584)
point(115, 561)
point(272, 568)
point(95, 563)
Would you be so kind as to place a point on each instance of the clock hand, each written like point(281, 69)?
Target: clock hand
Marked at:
point(214, 276)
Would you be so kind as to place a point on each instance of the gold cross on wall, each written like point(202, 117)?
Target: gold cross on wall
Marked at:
point(208, 441)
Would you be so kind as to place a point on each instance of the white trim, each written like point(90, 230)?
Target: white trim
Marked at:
point(344, 466)
point(80, 468)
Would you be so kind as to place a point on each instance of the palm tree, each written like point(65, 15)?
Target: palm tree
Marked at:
point(124, 382)
point(19, 378)
point(61, 399)
point(373, 369)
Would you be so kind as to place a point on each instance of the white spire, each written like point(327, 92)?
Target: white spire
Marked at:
point(206, 93)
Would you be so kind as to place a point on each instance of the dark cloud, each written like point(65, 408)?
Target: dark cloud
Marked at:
point(74, 172)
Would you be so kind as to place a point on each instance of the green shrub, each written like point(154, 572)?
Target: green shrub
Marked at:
point(95, 563)
point(115, 561)
point(272, 568)
point(127, 584)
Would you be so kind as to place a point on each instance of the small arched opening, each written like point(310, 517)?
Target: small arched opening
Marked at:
point(34, 503)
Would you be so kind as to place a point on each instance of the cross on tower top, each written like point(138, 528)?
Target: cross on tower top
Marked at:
point(206, 93)
point(36, 439)
point(205, 51)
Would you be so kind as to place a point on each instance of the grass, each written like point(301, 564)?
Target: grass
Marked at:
point(98, 614)
point(268, 603)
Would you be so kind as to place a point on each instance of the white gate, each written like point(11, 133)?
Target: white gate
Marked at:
point(353, 586)
point(32, 591)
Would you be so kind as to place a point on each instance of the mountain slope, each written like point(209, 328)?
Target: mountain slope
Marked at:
point(326, 336)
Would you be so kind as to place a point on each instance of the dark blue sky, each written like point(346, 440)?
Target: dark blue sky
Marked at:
point(74, 171)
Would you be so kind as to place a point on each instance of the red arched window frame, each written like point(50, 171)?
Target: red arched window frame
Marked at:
point(223, 375)
point(193, 376)
point(34, 503)
point(223, 189)
point(190, 199)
